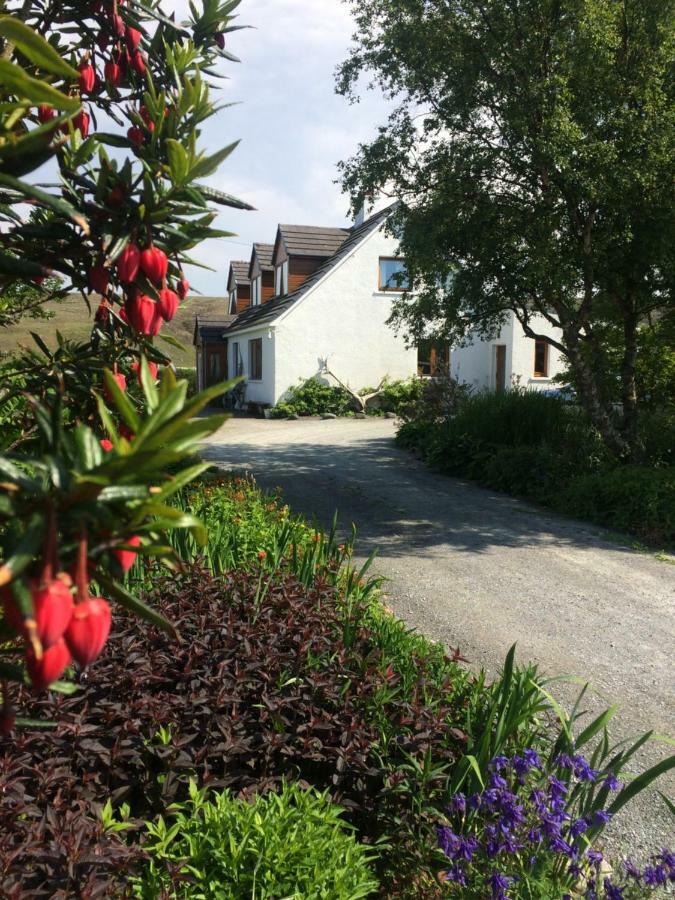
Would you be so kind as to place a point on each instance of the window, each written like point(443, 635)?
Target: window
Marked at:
point(541, 359)
point(281, 279)
point(432, 360)
point(233, 302)
point(255, 291)
point(255, 359)
point(236, 359)
point(393, 274)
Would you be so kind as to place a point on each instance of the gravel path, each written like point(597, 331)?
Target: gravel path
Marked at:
point(481, 570)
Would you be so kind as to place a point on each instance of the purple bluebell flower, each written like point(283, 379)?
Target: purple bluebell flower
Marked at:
point(557, 789)
point(612, 891)
point(447, 840)
point(456, 874)
point(601, 817)
point(611, 782)
point(559, 845)
point(532, 759)
point(499, 763)
point(578, 827)
point(655, 876)
point(474, 801)
point(458, 804)
point(466, 848)
point(498, 782)
point(632, 870)
point(594, 856)
point(499, 884)
point(564, 761)
point(583, 770)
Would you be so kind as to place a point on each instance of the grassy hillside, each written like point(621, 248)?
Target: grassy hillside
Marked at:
point(72, 319)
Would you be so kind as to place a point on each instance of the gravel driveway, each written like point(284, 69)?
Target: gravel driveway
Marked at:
point(478, 569)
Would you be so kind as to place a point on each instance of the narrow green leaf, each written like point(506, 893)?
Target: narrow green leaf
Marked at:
point(141, 609)
point(121, 401)
point(35, 48)
point(15, 81)
point(49, 200)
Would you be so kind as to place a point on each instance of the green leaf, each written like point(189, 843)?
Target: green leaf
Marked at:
point(26, 550)
point(641, 782)
point(178, 160)
point(121, 401)
point(596, 725)
point(52, 202)
point(207, 165)
point(116, 591)
point(35, 48)
point(223, 199)
point(15, 81)
point(23, 268)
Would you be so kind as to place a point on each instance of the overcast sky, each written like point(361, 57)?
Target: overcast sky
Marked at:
point(293, 127)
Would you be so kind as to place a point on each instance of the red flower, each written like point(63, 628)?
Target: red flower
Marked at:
point(128, 262)
point(133, 39)
point(106, 445)
point(46, 113)
point(81, 121)
point(136, 135)
point(142, 313)
point(88, 630)
point(52, 608)
point(182, 288)
point(118, 26)
point(121, 382)
point(126, 558)
point(98, 279)
point(136, 369)
point(168, 304)
point(102, 313)
point(87, 77)
point(112, 73)
point(54, 660)
point(137, 63)
point(154, 264)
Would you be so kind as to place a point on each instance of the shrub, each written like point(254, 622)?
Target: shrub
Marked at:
point(631, 499)
point(293, 844)
point(313, 398)
point(269, 682)
point(189, 374)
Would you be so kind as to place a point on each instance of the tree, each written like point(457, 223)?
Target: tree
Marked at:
point(531, 146)
point(114, 94)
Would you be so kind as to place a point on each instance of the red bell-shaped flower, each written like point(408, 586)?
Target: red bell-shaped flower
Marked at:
point(88, 630)
point(182, 288)
point(112, 73)
point(106, 445)
point(168, 304)
point(128, 262)
point(133, 39)
point(81, 121)
point(98, 279)
point(138, 63)
point(87, 77)
point(53, 607)
point(46, 113)
point(136, 135)
point(50, 667)
point(142, 313)
point(122, 383)
point(126, 558)
point(154, 264)
point(136, 369)
point(118, 26)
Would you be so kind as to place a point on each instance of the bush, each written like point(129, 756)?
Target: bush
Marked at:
point(631, 499)
point(293, 844)
point(189, 374)
point(313, 398)
point(269, 682)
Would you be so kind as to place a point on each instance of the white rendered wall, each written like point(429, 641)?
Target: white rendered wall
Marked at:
point(475, 364)
point(256, 391)
point(343, 322)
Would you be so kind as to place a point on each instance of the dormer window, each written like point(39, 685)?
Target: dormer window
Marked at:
point(233, 302)
point(393, 274)
point(255, 291)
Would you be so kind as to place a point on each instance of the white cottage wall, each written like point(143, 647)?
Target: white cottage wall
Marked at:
point(523, 356)
point(342, 322)
point(261, 391)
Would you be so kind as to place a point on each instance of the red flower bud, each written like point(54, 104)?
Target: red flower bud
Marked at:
point(87, 77)
point(88, 630)
point(121, 382)
point(136, 135)
point(128, 262)
point(106, 445)
point(112, 73)
point(138, 63)
point(81, 121)
point(220, 39)
point(182, 288)
point(154, 264)
point(136, 369)
point(46, 114)
point(118, 26)
point(133, 38)
point(54, 660)
point(98, 279)
point(126, 558)
point(102, 313)
point(53, 607)
point(168, 304)
point(142, 313)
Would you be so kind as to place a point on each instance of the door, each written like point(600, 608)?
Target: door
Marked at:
point(216, 364)
point(500, 367)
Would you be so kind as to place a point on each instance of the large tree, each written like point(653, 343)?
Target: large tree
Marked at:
point(531, 146)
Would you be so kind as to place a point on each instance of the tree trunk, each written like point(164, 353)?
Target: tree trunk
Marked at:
point(598, 409)
point(629, 391)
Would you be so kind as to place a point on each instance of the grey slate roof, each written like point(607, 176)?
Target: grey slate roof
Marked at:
point(310, 240)
point(268, 312)
point(210, 328)
point(264, 253)
point(240, 271)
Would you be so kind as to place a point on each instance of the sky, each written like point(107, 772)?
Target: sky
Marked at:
point(292, 126)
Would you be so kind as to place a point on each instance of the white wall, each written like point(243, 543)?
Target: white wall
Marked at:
point(256, 391)
point(343, 321)
point(474, 364)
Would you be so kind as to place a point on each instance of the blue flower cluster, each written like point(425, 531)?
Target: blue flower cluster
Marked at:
point(520, 824)
point(635, 882)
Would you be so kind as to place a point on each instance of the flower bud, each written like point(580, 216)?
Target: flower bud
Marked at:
point(138, 63)
point(50, 667)
point(182, 288)
point(98, 279)
point(112, 73)
point(46, 114)
point(142, 312)
point(81, 121)
point(167, 304)
point(136, 135)
point(88, 629)
point(121, 383)
point(220, 39)
point(133, 39)
point(87, 77)
point(126, 558)
point(118, 26)
point(106, 445)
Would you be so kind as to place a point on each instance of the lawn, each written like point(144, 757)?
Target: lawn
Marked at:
point(72, 318)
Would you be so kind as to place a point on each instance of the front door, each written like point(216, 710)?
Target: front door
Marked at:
point(216, 363)
point(500, 367)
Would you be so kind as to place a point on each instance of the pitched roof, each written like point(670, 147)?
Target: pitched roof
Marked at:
point(268, 312)
point(211, 327)
point(310, 240)
point(264, 253)
point(240, 270)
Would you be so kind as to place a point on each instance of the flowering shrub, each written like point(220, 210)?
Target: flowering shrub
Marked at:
point(522, 836)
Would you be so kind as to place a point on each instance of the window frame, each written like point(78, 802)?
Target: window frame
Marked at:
point(258, 374)
point(396, 289)
point(541, 372)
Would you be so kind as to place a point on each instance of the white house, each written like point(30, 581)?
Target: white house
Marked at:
point(320, 298)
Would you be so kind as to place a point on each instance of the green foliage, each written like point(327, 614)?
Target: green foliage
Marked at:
point(23, 298)
point(189, 374)
point(566, 141)
point(313, 398)
point(397, 396)
point(294, 844)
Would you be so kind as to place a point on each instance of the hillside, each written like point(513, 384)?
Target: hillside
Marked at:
point(73, 320)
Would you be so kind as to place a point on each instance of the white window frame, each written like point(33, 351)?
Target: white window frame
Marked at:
point(251, 342)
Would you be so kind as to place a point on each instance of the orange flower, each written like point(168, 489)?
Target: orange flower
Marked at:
point(262, 554)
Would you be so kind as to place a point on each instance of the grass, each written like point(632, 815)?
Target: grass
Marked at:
point(72, 318)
